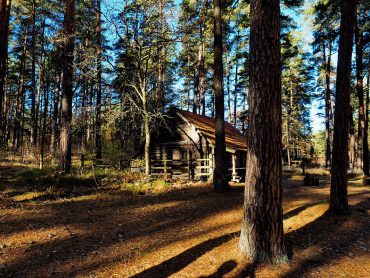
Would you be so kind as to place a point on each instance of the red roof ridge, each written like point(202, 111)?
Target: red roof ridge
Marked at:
point(206, 125)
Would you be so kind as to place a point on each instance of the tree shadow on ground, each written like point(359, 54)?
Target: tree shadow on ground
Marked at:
point(334, 236)
point(224, 269)
point(116, 219)
point(98, 222)
point(324, 231)
point(175, 264)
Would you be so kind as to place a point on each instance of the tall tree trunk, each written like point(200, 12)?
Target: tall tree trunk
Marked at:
point(361, 152)
point(68, 49)
point(20, 96)
point(196, 92)
point(33, 78)
point(39, 85)
point(288, 117)
point(202, 68)
point(160, 66)
point(147, 132)
point(98, 135)
point(5, 6)
point(44, 121)
point(219, 176)
point(236, 76)
point(352, 141)
point(366, 132)
point(328, 106)
point(228, 89)
point(55, 116)
point(188, 78)
point(261, 237)
point(84, 115)
point(338, 189)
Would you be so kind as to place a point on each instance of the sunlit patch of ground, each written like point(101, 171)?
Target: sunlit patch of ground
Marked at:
point(161, 230)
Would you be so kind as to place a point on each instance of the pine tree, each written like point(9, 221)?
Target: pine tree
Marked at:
point(338, 189)
point(67, 95)
point(261, 237)
point(219, 179)
point(326, 23)
point(5, 7)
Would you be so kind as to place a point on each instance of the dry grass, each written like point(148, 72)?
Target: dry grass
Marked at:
point(69, 227)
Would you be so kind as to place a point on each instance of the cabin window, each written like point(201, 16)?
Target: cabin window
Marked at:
point(184, 155)
point(176, 155)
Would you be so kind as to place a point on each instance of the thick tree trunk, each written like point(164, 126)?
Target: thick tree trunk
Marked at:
point(5, 6)
point(261, 238)
point(68, 49)
point(98, 135)
point(338, 189)
point(361, 152)
point(219, 176)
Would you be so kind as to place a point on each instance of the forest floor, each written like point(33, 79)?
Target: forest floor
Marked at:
point(50, 227)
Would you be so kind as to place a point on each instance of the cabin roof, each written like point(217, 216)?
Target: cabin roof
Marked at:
point(206, 125)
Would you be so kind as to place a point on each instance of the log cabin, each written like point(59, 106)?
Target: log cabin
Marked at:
point(184, 149)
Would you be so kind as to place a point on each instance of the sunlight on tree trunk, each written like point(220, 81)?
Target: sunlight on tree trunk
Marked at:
point(261, 238)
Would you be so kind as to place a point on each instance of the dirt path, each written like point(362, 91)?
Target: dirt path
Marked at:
point(187, 231)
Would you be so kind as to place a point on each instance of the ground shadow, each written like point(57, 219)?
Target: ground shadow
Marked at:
point(116, 218)
point(334, 235)
point(180, 261)
point(224, 269)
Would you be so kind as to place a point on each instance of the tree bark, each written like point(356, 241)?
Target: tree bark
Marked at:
point(352, 140)
point(361, 152)
point(338, 189)
point(98, 135)
point(147, 134)
point(5, 7)
point(160, 66)
point(201, 67)
point(366, 134)
point(219, 176)
point(33, 77)
point(236, 77)
point(39, 85)
point(55, 116)
point(328, 106)
point(67, 94)
point(20, 96)
point(44, 119)
point(261, 237)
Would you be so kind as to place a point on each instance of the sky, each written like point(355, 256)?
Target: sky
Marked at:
point(305, 27)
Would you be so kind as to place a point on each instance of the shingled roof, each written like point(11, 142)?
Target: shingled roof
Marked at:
point(206, 126)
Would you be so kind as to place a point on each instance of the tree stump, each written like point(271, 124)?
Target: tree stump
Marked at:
point(311, 180)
